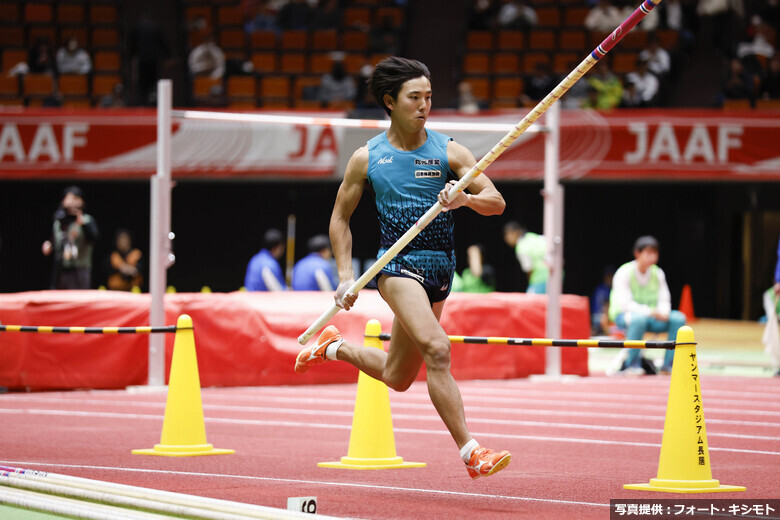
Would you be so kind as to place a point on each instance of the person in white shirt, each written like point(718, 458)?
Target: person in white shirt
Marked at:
point(640, 302)
point(603, 17)
point(72, 59)
point(207, 59)
point(646, 82)
point(658, 60)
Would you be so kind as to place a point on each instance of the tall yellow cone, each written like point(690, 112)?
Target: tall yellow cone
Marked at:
point(371, 442)
point(183, 432)
point(684, 466)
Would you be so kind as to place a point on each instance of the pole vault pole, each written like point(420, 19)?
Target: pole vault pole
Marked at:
point(598, 53)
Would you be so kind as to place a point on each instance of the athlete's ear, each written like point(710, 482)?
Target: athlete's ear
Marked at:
point(388, 101)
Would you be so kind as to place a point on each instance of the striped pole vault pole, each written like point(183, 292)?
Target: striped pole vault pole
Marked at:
point(543, 342)
point(565, 84)
point(43, 329)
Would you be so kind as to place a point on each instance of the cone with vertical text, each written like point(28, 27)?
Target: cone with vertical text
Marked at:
point(684, 465)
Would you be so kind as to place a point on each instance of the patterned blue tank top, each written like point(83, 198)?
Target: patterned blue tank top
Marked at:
point(406, 185)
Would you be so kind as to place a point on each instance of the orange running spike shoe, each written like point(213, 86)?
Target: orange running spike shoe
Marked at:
point(485, 462)
point(315, 355)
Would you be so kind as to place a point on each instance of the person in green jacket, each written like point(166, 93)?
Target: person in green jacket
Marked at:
point(478, 277)
point(640, 302)
point(531, 252)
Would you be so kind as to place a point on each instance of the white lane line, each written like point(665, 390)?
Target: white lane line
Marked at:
point(313, 482)
point(258, 422)
point(471, 410)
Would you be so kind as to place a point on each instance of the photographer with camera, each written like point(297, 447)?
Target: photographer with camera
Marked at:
point(73, 235)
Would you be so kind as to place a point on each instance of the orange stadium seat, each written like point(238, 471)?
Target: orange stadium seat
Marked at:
point(37, 13)
point(354, 41)
point(548, 16)
point(202, 85)
point(105, 38)
point(510, 41)
point(263, 40)
point(103, 14)
point(572, 40)
point(264, 62)
point(241, 87)
point(541, 39)
point(275, 91)
point(232, 39)
point(565, 61)
point(476, 63)
point(305, 86)
point(479, 40)
point(624, 62)
point(532, 59)
point(103, 84)
point(357, 17)
point(107, 61)
point(230, 16)
point(353, 62)
point(506, 63)
point(39, 85)
point(480, 87)
point(396, 14)
point(575, 16)
point(13, 56)
point(9, 86)
point(507, 88)
point(320, 63)
point(294, 40)
point(325, 40)
point(73, 84)
point(70, 13)
point(293, 63)
point(9, 13)
point(12, 37)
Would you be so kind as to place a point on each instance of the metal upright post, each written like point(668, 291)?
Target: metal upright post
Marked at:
point(160, 227)
point(553, 233)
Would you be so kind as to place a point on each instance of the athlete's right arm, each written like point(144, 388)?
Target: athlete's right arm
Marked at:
point(348, 197)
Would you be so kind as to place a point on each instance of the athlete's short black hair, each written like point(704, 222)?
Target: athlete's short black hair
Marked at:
point(390, 74)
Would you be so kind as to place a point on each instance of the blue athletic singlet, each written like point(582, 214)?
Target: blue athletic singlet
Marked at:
point(406, 185)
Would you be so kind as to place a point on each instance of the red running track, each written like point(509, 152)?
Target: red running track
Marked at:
point(574, 445)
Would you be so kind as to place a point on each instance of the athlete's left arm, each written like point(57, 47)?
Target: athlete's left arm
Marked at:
point(482, 196)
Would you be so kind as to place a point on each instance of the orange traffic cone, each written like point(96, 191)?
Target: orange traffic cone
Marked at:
point(686, 303)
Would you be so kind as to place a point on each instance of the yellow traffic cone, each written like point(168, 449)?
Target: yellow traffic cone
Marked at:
point(183, 432)
point(684, 466)
point(371, 442)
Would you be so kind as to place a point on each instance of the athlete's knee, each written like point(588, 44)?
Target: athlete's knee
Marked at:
point(399, 382)
point(437, 353)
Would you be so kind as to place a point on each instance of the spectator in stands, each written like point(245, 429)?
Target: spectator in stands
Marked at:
point(264, 272)
point(646, 83)
point(328, 15)
point(640, 302)
point(315, 272)
point(718, 21)
point(151, 57)
point(295, 15)
point(336, 86)
point(115, 98)
point(770, 83)
point(531, 251)
point(74, 234)
point(41, 59)
point(603, 17)
point(599, 303)
point(481, 14)
point(478, 277)
point(207, 59)
point(124, 264)
point(658, 60)
point(261, 16)
point(739, 83)
point(608, 87)
point(72, 59)
point(759, 49)
point(537, 85)
point(632, 98)
point(385, 38)
point(517, 15)
point(467, 101)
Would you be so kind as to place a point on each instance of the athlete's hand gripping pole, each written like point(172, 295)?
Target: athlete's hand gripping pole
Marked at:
point(565, 84)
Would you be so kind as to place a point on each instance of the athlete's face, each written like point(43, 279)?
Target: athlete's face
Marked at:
point(413, 102)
